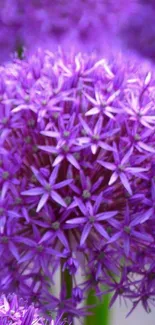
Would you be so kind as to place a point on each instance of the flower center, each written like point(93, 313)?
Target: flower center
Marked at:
point(18, 200)
point(66, 134)
point(5, 175)
point(127, 229)
point(137, 137)
point(31, 122)
point(120, 167)
point(28, 139)
point(92, 219)
point(65, 148)
point(56, 225)
point(96, 137)
point(68, 200)
point(40, 248)
point(86, 194)
point(48, 187)
point(5, 240)
point(5, 120)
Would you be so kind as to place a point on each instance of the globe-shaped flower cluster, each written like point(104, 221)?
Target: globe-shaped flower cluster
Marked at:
point(77, 178)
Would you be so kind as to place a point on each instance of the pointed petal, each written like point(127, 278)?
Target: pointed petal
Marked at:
point(4, 190)
point(62, 184)
point(113, 178)
point(46, 236)
point(73, 161)
point(101, 230)
point(146, 147)
point(63, 238)
point(127, 156)
point(94, 149)
point(106, 215)
point(142, 237)
point(57, 160)
point(142, 218)
point(28, 256)
point(125, 183)
point(92, 100)
point(113, 299)
point(38, 176)
point(42, 201)
point(136, 169)
point(105, 146)
point(85, 233)
point(81, 205)
point(54, 175)
point(115, 237)
point(13, 214)
point(76, 221)
point(13, 250)
point(57, 198)
point(98, 125)
point(107, 165)
point(33, 191)
point(51, 134)
point(93, 111)
point(85, 126)
point(48, 149)
point(127, 245)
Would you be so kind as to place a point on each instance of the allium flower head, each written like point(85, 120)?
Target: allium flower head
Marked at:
point(77, 180)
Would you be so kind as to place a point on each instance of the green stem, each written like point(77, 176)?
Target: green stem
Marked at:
point(66, 282)
point(100, 312)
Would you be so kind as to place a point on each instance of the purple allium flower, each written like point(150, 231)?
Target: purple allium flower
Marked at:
point(47, 23)
point(15, 311)
point(77, 159)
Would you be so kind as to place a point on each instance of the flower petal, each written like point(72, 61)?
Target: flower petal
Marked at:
point(57, 198)
point(101, 230)
point(113, 178)
point(73, 161)
point(42, 201)
point(33, 191)
point(125, 183)
point(107, 165)
point(85, 233)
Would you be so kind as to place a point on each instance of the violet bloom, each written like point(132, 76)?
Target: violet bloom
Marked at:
point(77, 180)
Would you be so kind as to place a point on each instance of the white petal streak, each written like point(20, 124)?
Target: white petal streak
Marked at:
point(113, 178)
point(42, 201)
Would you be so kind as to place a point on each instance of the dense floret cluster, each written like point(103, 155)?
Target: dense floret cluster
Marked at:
point(77, 178)
point(48, 23)
point(14, 311)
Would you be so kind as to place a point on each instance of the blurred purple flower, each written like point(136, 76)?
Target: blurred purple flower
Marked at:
point(47, 24)
point(138, 32)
